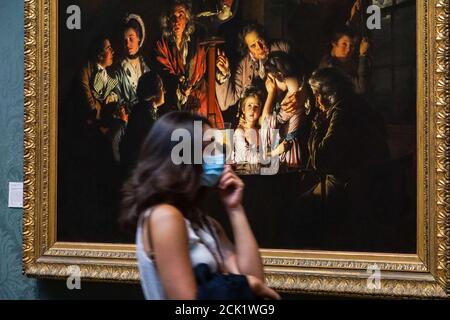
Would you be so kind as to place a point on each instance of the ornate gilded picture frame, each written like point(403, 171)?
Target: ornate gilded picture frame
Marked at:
point(423, 274)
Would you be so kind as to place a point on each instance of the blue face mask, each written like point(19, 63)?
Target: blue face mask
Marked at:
point(213, 167)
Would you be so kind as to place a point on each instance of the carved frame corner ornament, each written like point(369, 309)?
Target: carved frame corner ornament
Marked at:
point(422, 275)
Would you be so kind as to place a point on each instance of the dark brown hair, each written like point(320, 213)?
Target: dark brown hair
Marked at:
point(341, 32)
point(156, 179)
point(133, 24)
point(97, 48)
point(282, 65)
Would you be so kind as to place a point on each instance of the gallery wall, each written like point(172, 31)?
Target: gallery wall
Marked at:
point(13, 285)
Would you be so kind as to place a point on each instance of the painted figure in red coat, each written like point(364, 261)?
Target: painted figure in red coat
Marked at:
point(182, 62)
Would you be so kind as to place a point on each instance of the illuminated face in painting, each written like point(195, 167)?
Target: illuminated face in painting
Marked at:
point(179, 20)
point(131, 41)
point(342, 49)
point(108, 54)
point(256, 45)
point(252, 110)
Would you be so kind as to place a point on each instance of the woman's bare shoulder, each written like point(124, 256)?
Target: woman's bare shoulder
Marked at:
point(167, 214)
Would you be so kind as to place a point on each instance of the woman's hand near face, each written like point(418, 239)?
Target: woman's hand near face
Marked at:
point(245, 253)
point(231, 189)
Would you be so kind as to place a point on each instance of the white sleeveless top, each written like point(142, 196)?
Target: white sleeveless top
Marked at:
point(198, 251)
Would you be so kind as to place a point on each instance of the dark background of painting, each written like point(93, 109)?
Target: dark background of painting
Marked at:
point(308, 25)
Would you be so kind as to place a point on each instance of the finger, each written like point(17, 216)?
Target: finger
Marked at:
point(227, 172)
point(276, 296)
point(221, 60)
point(288, 105)
point(292, 95)
point(226, 183)
point(226, 62)
point(230, 181)
point(221, 54)
point(290, 99)
point(229, 175)
point(226, 177)
point(229, 185)
point(261, 290)
point(270, 293)
point(288, 109)
point(234, 182)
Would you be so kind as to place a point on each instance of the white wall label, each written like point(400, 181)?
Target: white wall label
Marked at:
point(15, 199)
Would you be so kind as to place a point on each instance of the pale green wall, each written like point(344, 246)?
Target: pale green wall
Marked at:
point(12, 284)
